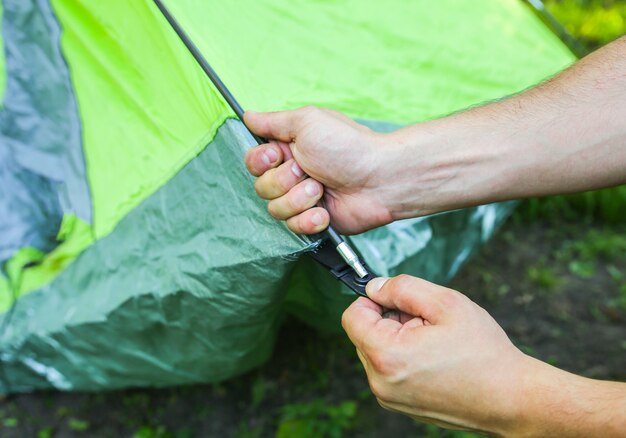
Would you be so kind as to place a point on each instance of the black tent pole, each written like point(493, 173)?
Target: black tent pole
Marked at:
point(201, 60)
point(348, 268)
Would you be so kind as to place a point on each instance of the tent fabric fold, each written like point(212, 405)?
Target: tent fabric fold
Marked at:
point(41, 155)
point(133, 248)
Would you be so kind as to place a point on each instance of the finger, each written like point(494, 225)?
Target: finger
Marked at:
point(365, 326)
point(287, 152)
point(300, 198)
point(278, 181)
point(392, 314)
point(262, 158)
point(359, 318)
point(280, 125)
point(397, 315)
point(411, 295)
point(414, 321)
point(311, 221)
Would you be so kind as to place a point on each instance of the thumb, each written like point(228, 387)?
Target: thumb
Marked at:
point(411, 295)
point(280, 125)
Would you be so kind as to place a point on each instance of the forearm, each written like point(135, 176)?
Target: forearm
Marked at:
point(565, 135)
point(557, 403)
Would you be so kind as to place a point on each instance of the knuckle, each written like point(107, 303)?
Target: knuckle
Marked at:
point(382, 363)
point(258, 188)
point(379, 389)
point(404, 278)
point(287, 173)
point(265, 185)
point(294, 225)
point(281, 183)
point(272, 185)
point(400, 282)
point(292, 203)
point(310, 110)
point(346, 318)
point(275, 184)
point(271, 209)
point(450, 298)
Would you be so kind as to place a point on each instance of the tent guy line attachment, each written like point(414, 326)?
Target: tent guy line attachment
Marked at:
point(347, 268)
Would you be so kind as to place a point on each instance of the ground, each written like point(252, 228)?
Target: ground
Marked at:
point(559, 291)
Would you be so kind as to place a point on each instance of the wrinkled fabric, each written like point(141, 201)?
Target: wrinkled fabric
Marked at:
point(395, 61)
point(42, 170)
point(188, 288)
point(30, 211)
point(192, 284)
point(180, 275)
point(146, 106)
point(3, 73)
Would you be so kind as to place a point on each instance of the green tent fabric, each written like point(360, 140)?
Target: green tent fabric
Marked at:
point(133, 248)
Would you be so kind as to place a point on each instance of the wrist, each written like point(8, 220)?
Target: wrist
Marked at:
point(558, 403)
point(441, 165)
point(538, 385)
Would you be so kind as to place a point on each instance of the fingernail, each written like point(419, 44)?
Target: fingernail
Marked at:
point(269, 156)
point(311, 189)
point(375, 284)
point(297, 170)
point(317, 219)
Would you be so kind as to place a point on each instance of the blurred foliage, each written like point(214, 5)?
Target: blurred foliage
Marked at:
point(607, 205)
point(594, 245)
point(543, 276)
point(593, 23)
point(316, 419)
point(436, 432)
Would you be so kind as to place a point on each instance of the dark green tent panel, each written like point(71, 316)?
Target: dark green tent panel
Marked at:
point(133, 248)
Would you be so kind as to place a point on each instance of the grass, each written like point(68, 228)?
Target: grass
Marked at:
point(152, 432)
point(317, 387)
point(435, 432)
point(607, 206)
point(544, 277)
point(597, 244)
point(316, 419)
point(78, 425)
point(619, 279)
point(584, 257)
point(46, 432)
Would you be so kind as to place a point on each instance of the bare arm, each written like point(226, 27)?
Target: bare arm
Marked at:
point(565, 135)
point(444, 360)
point(558, 403)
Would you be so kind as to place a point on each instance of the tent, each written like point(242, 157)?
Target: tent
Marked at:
point(133, 249)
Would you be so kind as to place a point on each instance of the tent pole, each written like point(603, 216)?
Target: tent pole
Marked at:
point(348, 268)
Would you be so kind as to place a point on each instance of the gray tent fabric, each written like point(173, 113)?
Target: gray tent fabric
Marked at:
point(171, 298)
point(40, 140)
point(190, 282)
point(209, 289)
point(31, 212)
